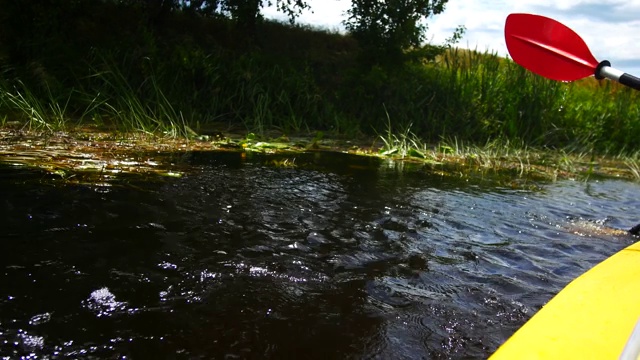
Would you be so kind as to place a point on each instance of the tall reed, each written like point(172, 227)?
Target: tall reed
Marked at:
point(48, 114)
point(478, 96)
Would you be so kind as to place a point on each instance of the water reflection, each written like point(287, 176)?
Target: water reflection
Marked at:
point(337, 257)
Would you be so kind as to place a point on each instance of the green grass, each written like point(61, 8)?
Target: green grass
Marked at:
point(38, 114)
point(633, 163)
point(144, 109)
point(195, 72)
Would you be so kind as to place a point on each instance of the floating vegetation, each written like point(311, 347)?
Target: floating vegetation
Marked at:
point(91, 156)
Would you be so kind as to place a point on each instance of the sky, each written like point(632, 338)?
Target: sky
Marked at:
point(610, 28)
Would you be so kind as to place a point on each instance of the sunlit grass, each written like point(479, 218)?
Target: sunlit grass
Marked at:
point(38, 114)
point(513, 158)
point(143, 109)
point(634, 167)
point(402, 144)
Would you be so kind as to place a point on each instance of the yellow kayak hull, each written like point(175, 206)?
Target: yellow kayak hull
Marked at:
point(591, 318)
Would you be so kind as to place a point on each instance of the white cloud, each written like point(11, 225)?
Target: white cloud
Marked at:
point(607, 26)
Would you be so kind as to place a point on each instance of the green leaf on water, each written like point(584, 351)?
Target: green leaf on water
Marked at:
point(433, 162)
point(388, 152)
point(269, 145)
point(416, 153)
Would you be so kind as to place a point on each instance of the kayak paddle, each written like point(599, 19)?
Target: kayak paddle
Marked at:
point(549, 48)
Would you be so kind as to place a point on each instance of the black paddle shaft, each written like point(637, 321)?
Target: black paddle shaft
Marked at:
point(604, 70)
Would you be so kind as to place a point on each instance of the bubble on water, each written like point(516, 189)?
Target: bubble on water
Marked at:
point(259, 271)
point(104, 303)
point(40, 319)
point(167, 265)
point(30, 342)
point(208, 275)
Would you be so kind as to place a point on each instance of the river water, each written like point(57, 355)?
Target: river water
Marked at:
point(338, 257)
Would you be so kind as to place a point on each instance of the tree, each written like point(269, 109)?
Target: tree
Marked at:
point(386, 28)
point(247, 12)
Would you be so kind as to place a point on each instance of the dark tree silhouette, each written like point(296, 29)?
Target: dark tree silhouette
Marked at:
point(386, 28)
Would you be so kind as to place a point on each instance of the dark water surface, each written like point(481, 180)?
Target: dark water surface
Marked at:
point(340, 257)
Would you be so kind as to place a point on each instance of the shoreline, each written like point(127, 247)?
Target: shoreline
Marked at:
point(90, 150)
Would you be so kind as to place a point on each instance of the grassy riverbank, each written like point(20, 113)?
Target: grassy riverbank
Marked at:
point(92, 156)
point(190, 75)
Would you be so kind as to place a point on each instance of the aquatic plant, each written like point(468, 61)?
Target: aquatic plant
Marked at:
point(634, 166)
point(401, 144)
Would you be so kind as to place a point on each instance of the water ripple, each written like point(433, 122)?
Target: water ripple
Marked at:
point(338, 257)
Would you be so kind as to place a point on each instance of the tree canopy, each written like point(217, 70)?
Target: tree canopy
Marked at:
point(385, 29)
point(391, 24)
point(244, 11)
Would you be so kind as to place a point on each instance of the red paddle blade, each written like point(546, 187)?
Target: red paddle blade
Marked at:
point(548, 48)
